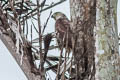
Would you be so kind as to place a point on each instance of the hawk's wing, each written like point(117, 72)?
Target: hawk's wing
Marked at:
point(61, 27)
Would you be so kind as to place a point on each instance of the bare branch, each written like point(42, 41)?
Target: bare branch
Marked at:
point(25, 65)
point(46, 22)
point(33, 14)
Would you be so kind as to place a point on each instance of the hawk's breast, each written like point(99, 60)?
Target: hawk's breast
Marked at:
point(61, 27)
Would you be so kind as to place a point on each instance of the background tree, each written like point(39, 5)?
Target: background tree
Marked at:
point(84, 14)
point(107, 47)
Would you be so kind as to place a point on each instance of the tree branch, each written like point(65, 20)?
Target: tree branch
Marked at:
point(33, 14)
point(25, 65)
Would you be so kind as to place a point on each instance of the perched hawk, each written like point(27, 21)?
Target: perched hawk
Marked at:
point(62, 28)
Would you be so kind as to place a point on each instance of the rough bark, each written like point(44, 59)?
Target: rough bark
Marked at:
point(107, 53)
point(83, 14)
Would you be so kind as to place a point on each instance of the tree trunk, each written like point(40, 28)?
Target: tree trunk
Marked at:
point(107, 52)
point(83, 14)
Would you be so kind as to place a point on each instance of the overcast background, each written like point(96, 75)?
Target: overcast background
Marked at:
point(9, 70)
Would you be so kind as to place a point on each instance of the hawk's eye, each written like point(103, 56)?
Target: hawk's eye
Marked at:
point(52, 16)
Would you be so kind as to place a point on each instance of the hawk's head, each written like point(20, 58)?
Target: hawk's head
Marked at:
point(58, 15)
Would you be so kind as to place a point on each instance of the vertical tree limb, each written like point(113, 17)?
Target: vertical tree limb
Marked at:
point(83, 15)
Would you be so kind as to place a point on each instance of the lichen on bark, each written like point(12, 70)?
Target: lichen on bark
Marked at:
point(106, 41)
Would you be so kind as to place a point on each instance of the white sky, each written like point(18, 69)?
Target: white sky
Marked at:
point(118, 15)
point(9, 70)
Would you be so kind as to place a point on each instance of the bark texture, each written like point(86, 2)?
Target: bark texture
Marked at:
point(83, 14)
point(26, 68)
point(107, 67)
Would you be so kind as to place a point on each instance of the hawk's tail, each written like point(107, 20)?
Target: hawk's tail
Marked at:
point(47, 40)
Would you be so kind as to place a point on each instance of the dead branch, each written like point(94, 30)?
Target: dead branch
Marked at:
point(25, 65)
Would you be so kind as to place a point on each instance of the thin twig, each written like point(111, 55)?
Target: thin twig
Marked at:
point(35, 27)
point(13, 9)
point(41, 67)
point(23, 26)
point(66, 36)
point(31, 34)
point(26, 28)
point(53, 5)
point(49, 76)
point(46, 22)
point(71, 67)
point(58, 70)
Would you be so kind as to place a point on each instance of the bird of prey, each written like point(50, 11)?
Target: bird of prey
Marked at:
point(63, 31)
